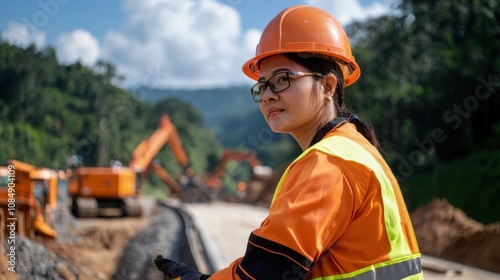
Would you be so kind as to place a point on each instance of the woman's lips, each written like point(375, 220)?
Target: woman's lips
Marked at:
point(274, 111)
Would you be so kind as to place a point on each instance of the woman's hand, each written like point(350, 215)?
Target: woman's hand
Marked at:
point(178, 270)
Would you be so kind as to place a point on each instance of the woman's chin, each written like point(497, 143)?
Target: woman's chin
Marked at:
point(278, 129)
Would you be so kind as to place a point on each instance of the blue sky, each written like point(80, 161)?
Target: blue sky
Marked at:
point(160, 43)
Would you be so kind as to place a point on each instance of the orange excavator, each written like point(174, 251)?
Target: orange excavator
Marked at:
point(104, 191)
point(97, 190)
point(29, 197)
point(143, 162)
point(258, 173)
point(188, 187)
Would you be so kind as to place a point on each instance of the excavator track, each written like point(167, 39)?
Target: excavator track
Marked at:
point(132, 207)
point(82, 207)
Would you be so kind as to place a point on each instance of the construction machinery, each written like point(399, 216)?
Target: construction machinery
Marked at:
point(29, 197)
point(111, 190)
point(104, 191)
point(245, 190)
point(143, 162)
point(188, 187)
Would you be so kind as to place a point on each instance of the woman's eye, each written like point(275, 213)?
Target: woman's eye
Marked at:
point(282, 79)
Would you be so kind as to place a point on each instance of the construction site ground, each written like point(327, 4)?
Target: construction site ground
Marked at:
point(94, 248)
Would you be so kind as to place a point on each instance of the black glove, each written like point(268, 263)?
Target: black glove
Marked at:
point(177, 269)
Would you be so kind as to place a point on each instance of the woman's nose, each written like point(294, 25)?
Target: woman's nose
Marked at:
point(269, 95)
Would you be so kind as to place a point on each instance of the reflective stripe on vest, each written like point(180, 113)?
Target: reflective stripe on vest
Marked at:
point(410, 269)
point(348, 149)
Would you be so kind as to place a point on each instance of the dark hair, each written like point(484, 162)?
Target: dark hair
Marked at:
point(325, 66)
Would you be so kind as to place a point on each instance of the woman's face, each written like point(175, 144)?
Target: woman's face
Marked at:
point(296, 110)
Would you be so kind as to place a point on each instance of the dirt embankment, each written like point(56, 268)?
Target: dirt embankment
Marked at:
point(86, 249)
point(446, 232)
point(99, 246)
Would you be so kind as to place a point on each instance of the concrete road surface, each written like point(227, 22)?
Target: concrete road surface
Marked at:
point(225, 228)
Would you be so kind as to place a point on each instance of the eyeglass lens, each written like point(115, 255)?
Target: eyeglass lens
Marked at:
point(278, 82)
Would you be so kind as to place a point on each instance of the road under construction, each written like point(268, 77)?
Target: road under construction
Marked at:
point(206, 236)
point(222, 244)
point(193, 226)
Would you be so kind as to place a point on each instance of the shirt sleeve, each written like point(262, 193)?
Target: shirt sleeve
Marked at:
point(313, 208)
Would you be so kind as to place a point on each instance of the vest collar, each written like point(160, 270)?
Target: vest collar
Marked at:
point(337, 122)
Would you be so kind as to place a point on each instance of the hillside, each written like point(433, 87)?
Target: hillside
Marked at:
point(215, 104)
point(50, 112)
point(235, 119)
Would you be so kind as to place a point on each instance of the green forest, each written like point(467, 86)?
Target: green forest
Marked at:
point(430, 87)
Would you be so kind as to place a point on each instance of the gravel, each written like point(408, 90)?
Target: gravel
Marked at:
point(33, 261)
point(163, 236)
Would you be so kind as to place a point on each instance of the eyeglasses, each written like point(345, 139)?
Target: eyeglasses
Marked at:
point(277, 83)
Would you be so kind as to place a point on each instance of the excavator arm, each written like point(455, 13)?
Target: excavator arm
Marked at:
point(165, 177)
point(145, 152)
point(142, 161)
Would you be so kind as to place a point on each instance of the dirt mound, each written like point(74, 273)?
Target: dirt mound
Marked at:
point(34, 261)
point(85, 249)
point(96, 245)
point(479, 249)
point(446, 232)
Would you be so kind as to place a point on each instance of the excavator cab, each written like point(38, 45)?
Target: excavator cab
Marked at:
point(45, 187)
point(62, 189)
point(44, 182)
point(104, 191)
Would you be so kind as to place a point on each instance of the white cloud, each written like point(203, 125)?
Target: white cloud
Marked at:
point(252, 38)
point(21, 35)
point(79, 45)
point(188, 44)
point(351, 10)
point(185, 44)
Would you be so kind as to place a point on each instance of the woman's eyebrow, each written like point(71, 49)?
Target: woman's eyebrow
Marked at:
point(263, 78)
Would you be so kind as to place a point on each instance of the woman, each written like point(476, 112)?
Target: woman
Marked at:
point(337, 212)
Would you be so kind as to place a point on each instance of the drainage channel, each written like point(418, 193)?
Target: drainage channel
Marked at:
point(171, 233)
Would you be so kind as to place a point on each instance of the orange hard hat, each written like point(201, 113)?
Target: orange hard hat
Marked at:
point(305, 29)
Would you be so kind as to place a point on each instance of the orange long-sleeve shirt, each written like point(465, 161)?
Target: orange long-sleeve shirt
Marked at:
point(329, 217)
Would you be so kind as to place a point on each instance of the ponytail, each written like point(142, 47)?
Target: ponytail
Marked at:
point(365, 129)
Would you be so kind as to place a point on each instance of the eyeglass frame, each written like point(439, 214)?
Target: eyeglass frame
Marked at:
point(267, 83)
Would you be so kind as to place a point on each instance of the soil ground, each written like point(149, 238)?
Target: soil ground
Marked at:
point(446, 232)
point(85, 249)
point(92, 248)
point(101, 245)
point(95, 250)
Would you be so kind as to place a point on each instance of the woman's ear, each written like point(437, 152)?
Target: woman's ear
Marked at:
point(330, 84)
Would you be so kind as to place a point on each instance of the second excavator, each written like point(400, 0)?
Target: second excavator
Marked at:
point(246, 190)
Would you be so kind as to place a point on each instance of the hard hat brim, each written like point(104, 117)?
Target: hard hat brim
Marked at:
point(251, 67)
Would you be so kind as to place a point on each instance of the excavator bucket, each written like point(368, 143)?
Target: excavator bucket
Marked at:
point(43, 228)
